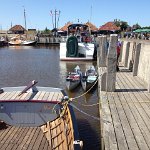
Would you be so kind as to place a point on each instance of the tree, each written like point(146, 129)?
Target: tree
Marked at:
point(136, 26)
point(46, 31)
point(122, 24)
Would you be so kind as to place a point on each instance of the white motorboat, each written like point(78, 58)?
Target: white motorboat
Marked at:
point(79, 44)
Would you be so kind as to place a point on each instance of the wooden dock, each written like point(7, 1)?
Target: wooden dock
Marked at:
point(125, 114)
point(124, 96)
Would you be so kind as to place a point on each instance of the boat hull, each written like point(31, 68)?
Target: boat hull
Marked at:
point(87, 85)
point(85, 52)
point(71, 85)
point(89, 79)
point(22, 43)
point(27, 105)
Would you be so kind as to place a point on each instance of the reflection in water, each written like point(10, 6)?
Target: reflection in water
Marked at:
point(19, 65)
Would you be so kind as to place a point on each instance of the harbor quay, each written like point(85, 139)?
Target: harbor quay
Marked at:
point(124, 98)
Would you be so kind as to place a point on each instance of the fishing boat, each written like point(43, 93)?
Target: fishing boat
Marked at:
point(89, 78)
point(37, 118)
point(73, 78)
point(79, 44)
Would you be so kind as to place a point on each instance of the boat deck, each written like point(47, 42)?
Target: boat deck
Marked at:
point(125, 114)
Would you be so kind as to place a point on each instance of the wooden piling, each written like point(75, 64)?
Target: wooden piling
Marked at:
point(127, 54)
point(136, 59)
point(102, 51)
point(111, 64)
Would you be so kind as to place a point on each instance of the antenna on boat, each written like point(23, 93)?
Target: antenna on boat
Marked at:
point(25, 18)
point(58, 18)
point(91, 14)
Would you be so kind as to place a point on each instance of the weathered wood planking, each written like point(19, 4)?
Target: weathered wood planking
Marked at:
point(143, 117)
point(108, 137)
point(137, 110)
point(125, 114)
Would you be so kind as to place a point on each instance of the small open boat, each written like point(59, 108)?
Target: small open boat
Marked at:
point(89, 78)
point(73, 78)
point(37, 118)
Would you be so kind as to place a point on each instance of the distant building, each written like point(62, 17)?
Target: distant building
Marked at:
point(17, 29)
point(109, 28)
point(32, 31)
point(92, 27)
point(65, 27)
point(63, 30)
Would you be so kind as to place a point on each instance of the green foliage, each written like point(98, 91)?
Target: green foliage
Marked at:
point(122, 24)
point(46, 31)
point(147, 27)
point(136, 26)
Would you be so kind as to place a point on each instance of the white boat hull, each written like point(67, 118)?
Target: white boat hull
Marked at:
point(71, 85)
point(20, 42)
point(85, 49)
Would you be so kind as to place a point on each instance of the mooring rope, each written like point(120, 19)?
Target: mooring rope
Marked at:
point(84, 92)
point(86, 105)
point(96, 118)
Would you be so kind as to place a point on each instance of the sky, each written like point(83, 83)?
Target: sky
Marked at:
point(99, 12)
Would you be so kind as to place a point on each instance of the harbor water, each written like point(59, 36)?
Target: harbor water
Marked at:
point(19, 65)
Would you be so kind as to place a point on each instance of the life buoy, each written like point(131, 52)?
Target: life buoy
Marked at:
point(72, 47)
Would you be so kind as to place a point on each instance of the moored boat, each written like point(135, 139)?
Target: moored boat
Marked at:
point(17, 40)
point(73, 78)
point(89, 78)
point(79, 44)
point(33, 108)
point(27, 106)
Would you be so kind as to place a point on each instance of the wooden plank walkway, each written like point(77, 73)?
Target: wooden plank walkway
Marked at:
point(125, 114)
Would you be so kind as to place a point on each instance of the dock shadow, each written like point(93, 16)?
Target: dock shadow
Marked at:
point(125, 70)
point(3, 125)
point(90, 138)
point(130, 90)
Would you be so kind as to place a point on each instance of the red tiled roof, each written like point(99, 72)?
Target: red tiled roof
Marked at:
point(109, 26)
point(65, 27)
point(17, 28)
point(92, 26)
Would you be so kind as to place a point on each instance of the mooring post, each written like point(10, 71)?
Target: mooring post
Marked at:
point(127, 54)
point(120, 57)
point(99, 42)
point(103, 51)
point(136, 59)
point(101, 61)
point(111, 64)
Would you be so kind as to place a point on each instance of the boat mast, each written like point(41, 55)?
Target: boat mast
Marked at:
point(25, 18)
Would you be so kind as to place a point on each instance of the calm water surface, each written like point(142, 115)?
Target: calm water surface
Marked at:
point(20, 65)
